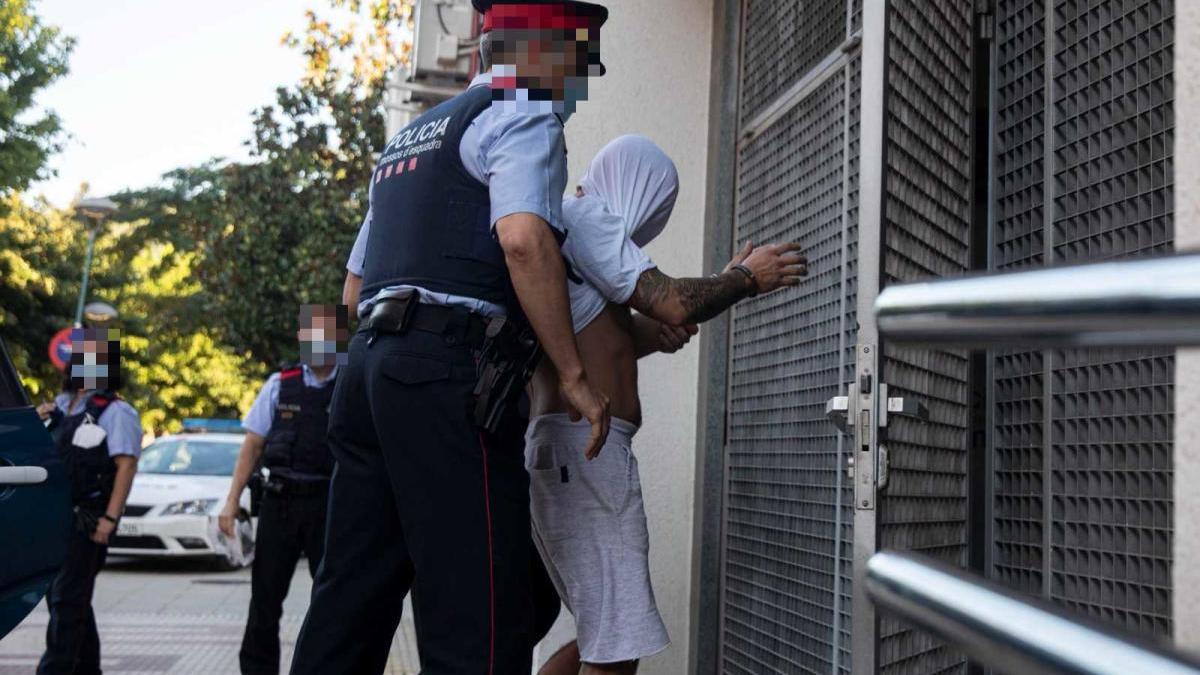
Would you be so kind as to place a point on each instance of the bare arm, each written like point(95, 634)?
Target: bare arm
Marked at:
point(247, 461)
point(540, 281)
point(350, 291)
point(122, 483)
point(688, 301)
point(652, 337)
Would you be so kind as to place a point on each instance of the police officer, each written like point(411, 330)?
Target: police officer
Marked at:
point(99, 437)
point(465, 226)
point(285, 428)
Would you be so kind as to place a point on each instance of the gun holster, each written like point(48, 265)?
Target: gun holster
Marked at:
point(256, 492)
point(509, 356)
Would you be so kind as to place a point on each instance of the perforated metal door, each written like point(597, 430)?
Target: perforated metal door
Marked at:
point(926, 233)
point(1082, 480)
point(787, 526)
point(1079, 491)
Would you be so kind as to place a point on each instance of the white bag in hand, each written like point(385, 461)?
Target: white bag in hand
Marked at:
point(238, 549)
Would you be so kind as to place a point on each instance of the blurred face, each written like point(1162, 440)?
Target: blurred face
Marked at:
point(323, 334)
point(95, 358)
point(540, 70)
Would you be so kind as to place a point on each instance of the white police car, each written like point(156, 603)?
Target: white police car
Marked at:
point(179, 489)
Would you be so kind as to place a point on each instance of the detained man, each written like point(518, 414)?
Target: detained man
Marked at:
point(589, 523)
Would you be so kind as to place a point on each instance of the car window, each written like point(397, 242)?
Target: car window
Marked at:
point(184, 457)
point(12, 394)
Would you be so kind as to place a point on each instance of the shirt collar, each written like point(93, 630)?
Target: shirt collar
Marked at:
point(310, 377)
point(481, 79)
point(485, 79)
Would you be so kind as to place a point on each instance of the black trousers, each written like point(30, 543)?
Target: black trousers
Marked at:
point(72, 643)
point(287, 526)
point(420, 501)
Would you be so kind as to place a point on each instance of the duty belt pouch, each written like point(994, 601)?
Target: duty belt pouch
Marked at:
point(509, 356)
point(394, 314)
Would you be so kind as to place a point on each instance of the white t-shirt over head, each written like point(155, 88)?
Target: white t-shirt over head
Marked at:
point(629, 192)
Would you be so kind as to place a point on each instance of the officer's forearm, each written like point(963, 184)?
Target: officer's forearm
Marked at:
point(540, 281)
point(247, 461)
point(126, 468)
point(350, 291)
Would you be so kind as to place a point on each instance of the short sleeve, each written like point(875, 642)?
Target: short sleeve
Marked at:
point(601, 252)
point(262, 413)
point(358, 254)
point(122, 428)
point(525, 166)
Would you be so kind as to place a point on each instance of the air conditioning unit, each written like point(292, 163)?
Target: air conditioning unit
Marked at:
point(444, 42)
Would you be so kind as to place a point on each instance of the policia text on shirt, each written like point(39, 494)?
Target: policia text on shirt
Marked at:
point(422, 498)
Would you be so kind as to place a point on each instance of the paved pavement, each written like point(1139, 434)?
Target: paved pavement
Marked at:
point(176, 617)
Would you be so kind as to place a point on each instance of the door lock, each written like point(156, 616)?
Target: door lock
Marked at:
point(837, 410)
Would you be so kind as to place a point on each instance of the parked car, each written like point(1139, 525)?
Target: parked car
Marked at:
point(179, 489)
point(35, 509)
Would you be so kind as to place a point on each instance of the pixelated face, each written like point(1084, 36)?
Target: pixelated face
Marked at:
point(324, 333)
point(541, 63)
point(95, 358)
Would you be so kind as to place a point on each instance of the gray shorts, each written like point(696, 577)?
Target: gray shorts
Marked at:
point(589, 524)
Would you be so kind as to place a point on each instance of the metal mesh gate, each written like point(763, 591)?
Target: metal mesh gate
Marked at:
point(926, 233)
point(1079, 441)
point(784, 510)
point(788, 518)
point(1082, 485)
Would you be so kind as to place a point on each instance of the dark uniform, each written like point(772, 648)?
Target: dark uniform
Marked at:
point(72, 642)
point(291, 519)
point(420, 498)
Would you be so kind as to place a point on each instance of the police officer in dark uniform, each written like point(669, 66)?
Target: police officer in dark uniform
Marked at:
point(462, 268)
point(99, 437)
point(285, 429)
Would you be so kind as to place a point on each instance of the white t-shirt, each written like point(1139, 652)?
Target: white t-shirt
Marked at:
point(601, 252)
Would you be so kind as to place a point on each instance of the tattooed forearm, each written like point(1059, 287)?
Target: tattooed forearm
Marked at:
point(705, 298)
point(682, 301)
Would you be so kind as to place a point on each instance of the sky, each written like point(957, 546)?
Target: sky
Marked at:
point(158, 84)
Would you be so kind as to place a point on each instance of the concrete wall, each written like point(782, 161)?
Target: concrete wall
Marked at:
point(1187, 365)
point(657, 53)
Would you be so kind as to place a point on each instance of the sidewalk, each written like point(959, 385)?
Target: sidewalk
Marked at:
point(176, 617)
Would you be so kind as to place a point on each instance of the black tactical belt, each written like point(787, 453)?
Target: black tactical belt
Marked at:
point(284, 487)
point(400, 314)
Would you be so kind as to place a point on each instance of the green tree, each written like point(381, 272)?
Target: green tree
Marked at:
point(208, 268)
point(32, 55)
point(41, 253)
point(274, 232)
point(173, 365)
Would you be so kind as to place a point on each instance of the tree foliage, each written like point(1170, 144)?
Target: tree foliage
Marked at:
point(32, 55)
point(209, 267)
point(274, 232)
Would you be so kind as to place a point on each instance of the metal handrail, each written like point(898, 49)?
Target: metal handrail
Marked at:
point(1129, 303)
point(1007, 631)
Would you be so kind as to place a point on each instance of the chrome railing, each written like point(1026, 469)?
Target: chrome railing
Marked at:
point(1153, 302)
point(1006, 631)
point(1128, 303)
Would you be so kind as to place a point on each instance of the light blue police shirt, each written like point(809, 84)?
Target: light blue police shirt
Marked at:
point(522, 158)
point(120, 422)
point(262, 413)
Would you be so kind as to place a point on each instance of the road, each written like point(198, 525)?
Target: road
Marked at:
point(176, 617)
